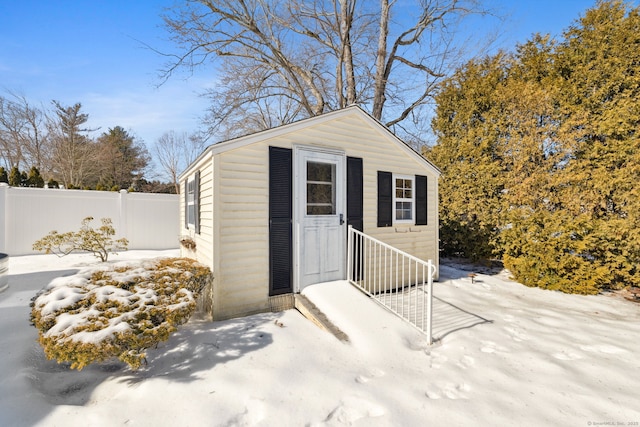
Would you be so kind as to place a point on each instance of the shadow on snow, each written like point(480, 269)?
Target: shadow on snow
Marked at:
point(449, 318)
point(196, 347)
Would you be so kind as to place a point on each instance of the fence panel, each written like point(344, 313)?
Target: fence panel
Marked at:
point(148, 221)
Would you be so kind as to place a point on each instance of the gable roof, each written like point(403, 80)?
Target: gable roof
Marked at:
point(242, 141)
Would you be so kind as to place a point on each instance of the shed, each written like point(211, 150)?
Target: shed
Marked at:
point(268, 212)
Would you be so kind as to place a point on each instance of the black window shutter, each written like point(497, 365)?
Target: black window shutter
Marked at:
point(421, 200)
point(280, 221)
point(196, 201)
point(355, 209)
point(354, 193)
point(385, 199)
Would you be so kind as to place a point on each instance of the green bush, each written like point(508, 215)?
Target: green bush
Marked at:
point(34, 179)
point(540, 156)
point(570, 253)
point(116, 311)
point(99, 242)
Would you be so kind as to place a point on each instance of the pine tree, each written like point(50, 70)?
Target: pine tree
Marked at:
point(121, 157)
point(34, 179)
point(15, 178)
point(52, 183)
point(73, 156)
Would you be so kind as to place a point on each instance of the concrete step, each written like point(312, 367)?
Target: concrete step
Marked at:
point(313, 313)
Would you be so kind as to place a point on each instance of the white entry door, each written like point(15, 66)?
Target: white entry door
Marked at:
point(320, 216)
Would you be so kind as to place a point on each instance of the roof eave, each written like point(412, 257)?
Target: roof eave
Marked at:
point(242, 141)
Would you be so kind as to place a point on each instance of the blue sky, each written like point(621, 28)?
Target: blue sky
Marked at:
point(90, 51)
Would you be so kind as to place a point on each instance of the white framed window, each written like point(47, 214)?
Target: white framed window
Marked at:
point(404, 198)
point(192, 203)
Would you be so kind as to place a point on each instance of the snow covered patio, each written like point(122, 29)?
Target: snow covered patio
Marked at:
point(534, 358)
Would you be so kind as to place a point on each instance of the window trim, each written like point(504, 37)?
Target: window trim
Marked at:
point(191, 202)
point(395, 199)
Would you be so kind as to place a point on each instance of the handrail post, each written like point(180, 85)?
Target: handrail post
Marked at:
point(431, 271)
point(350, 261)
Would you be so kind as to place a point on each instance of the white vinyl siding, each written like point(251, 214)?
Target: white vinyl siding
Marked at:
point(204, 239)
point(235, 223)
point(243, 231)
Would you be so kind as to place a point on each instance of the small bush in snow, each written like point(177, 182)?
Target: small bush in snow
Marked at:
point(116, 311)
point(99, 242)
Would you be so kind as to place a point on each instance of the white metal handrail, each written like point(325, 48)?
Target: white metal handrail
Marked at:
point(395, 279)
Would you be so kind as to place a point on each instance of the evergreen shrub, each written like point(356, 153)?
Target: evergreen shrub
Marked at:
point(116, 311)
point(540, 155)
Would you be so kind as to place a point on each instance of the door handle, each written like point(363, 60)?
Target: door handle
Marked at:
point(341, 219)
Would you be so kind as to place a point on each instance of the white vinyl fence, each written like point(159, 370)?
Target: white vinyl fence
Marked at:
point(148, 221)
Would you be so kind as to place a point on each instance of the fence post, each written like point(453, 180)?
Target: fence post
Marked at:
point(4, 215)
point(350, 260)
point(123, 226)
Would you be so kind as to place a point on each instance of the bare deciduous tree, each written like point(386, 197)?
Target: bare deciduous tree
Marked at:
point(56, 144)
point(307, 57)
point(11, 124)
point(23, 137)
point(175, 151)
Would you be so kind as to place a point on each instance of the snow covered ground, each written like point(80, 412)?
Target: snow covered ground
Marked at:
point(509, 355)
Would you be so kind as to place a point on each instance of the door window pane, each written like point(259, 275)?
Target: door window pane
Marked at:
point(321, 194)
